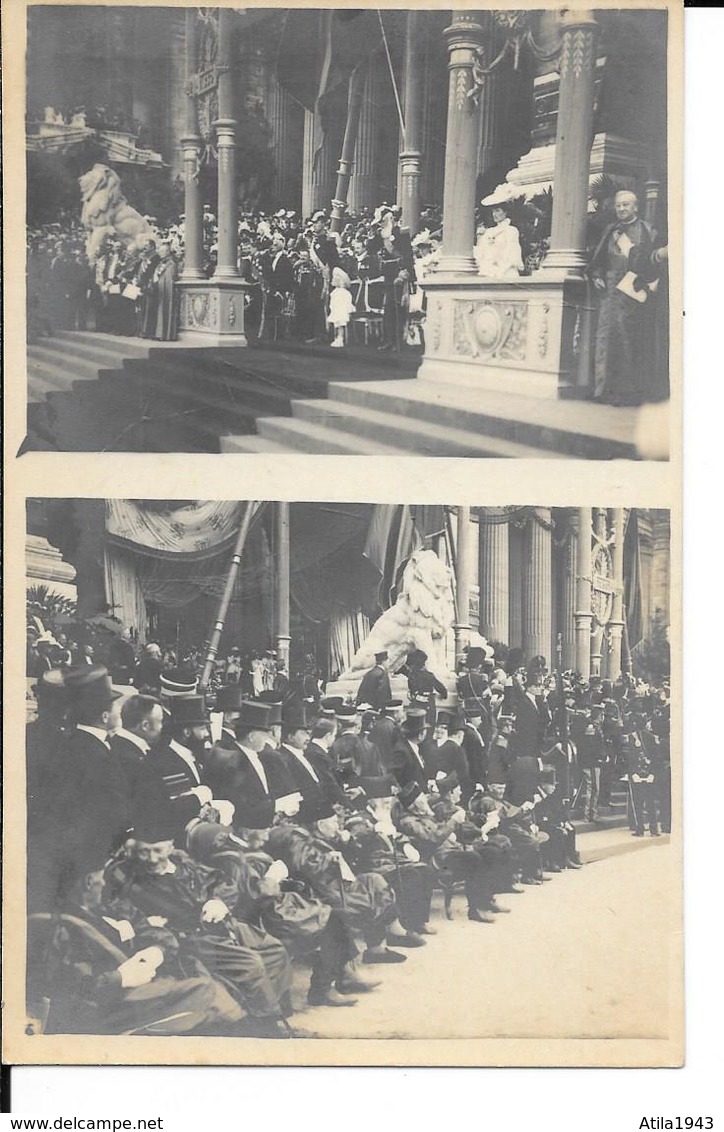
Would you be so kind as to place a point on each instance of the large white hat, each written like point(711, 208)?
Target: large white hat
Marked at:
point(504, 194)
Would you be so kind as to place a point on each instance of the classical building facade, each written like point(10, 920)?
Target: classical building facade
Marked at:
point(580, 586)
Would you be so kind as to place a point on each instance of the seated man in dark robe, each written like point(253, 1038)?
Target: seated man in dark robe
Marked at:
point(164, 881)
point(377, 848)
point(366, 900)
point(107, 969)
point(258, 890)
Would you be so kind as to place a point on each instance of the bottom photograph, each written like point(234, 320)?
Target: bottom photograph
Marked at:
point(330, 771)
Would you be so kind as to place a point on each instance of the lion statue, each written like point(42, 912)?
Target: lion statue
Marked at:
point(421, 618)
point(106, 212)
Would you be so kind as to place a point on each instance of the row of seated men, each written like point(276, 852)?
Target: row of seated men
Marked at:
point(172, 880)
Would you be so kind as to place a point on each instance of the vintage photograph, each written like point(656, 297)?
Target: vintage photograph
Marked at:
point(349, 770)
point(334, 231)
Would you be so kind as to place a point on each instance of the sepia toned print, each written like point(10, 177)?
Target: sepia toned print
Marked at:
point(348, 231)
point(325, 770)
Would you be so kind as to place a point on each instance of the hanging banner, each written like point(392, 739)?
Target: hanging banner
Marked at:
point(193, 528)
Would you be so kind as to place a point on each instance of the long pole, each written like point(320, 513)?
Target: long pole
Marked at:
point(346, 160)
point(218, 625)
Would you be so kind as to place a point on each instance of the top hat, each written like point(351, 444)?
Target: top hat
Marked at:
point(414, 722)
point(472, 709)
point(181, 681)
point(230, 698)
point(189, 710)
point(256, 716)
point(294, 717)
point(450, 719)
point(380, 656)
point(151, 825)
point(89, 686)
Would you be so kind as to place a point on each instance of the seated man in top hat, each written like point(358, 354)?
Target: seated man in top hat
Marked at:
point(250, 775)
point(375, 688)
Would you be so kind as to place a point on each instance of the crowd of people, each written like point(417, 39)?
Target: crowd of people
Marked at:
point(190, 849)
point(363, 285)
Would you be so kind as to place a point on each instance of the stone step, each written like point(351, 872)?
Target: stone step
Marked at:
point(105, 353)
point(572, 428)
point(60, 370)
point(235, 443)
point(421, 437)
point(115, 344)
point(298, 435)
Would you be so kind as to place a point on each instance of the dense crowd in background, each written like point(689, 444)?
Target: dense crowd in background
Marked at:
point(203, 860)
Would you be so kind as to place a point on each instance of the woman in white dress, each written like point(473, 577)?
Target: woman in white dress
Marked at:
point(497, 251)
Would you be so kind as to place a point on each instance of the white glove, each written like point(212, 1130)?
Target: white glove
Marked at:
point(214, 911)
point(288, 804)
point(141, 967)
point(277, 871)
point(224, 809)
point(203, 794)
point(411, 853)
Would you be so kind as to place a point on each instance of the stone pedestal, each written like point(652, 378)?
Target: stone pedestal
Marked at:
point(212, 312)
point(519, 337)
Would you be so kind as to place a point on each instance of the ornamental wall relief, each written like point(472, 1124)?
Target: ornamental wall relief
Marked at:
point(490, 329)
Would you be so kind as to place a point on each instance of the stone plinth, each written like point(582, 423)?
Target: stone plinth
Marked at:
point(212, 312)
point(522, 337)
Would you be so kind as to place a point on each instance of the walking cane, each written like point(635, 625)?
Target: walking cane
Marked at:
point(633, 804)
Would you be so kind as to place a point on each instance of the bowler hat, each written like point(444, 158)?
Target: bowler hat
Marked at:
point(189, 710)
point(89, 686)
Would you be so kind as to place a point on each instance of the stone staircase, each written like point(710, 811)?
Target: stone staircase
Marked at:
point(427, 418)
point(96, 392)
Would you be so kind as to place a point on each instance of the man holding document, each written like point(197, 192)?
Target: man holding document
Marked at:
point(620, 367)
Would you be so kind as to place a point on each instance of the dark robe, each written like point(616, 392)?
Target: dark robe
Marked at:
point(165, 328)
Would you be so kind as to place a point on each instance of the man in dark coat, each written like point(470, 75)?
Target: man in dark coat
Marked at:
point(87, 817)
point(450, 756)
point(408, 764)
point(392, 247)
point(375, 688)
point(619, 365)
point(247, 773)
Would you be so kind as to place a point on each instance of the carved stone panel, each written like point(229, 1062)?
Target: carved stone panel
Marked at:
point(490, 328)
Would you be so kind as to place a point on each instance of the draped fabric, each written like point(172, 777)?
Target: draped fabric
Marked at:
point(197, 528)
point(633, 603)
point(395, 532)
point(347, 630)
point(124, 593)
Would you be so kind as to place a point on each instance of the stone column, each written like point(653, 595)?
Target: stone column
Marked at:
point(615, 625)
point(411, 141)
point(281, 522)
point(583, 613)
point(191, 150)
point(515, 586)
point(567, 606)
point(464, 38)
point(225, 125)
point(574, 136)
point(494, 574)
point(463, 556)
point(537, 585)
point(355, 95)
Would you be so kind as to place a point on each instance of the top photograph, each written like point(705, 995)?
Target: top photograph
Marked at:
point(342, 231)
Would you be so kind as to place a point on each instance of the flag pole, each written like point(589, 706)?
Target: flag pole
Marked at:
point(346, 161)
point(218, 625)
